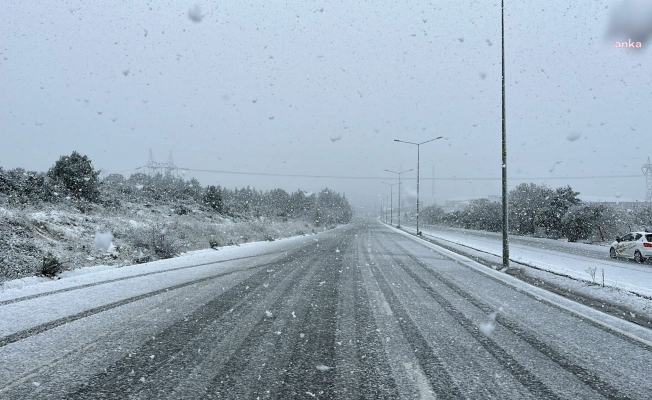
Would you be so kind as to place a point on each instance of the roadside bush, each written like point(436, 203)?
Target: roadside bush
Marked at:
point(181, 210)
point(25, 187)
point(141, 258)
point(432, 215)
point(158, 241)
point(51, 266)
point(581, 221)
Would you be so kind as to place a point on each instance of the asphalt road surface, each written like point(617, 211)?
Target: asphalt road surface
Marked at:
point(362, 313)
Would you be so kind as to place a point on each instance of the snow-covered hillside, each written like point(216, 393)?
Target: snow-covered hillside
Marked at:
point(29, 233)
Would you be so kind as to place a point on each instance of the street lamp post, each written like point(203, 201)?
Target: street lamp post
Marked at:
point(399, 192)
point(383, 207)
point(418, 147)
point(504, 165)
point(391, 202)
point(386, 195)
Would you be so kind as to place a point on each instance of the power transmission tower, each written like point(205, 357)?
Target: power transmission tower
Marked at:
point(170, 168)
point(647, 171)
point(167, 168)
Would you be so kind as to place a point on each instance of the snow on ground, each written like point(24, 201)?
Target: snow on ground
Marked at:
point(35, 285)
point(28, 233)
point(113, 283)
point(620, 274)
point(580, 284)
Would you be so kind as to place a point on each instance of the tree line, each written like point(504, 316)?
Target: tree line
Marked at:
point(543, 211)
point(73, 179)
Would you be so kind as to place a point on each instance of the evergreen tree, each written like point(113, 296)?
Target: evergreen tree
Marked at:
point(213, 198)
point(76, 173)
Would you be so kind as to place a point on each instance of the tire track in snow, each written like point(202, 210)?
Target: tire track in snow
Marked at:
point(177, 342)
point(525, 377)
point(292, 371)
point(14, 337)
point(34, 296)
point(273, 357)
point(431, 363)
point(369, 347)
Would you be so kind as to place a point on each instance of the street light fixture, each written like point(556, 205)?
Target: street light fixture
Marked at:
point(399, 192)
point(391, 202)
point(418, 147)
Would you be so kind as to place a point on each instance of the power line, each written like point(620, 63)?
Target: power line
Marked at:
point(124, 170)
point(384, 177)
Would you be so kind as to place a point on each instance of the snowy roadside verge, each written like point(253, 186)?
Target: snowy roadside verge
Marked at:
point(614, 300)
point(30, 233)
point(46, 305)
point(36, 285)
point(619, 274)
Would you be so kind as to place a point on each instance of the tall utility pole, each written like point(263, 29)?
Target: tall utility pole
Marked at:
point(399, 192)
point(391, 202)
point(418, 147)
point(647, 171)
point(383, 208)
point(386, 204)
point(434, 201)
point(504, 165)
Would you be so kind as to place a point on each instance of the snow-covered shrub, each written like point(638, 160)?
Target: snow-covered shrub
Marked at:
point(51, 266)
point(581, 221)
point(158, 240)
point(526, 202)
point(181, 210)
point(551, 216)
point(27, 187)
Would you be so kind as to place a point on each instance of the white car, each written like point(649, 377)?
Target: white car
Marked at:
point(634, 245)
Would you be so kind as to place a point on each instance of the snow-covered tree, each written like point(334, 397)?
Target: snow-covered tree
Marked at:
point(526, 203)
point(551, 216)
point(76, 173)
point(581, 221)
point(213, 198)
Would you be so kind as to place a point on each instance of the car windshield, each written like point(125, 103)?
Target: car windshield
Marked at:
point(325, 199)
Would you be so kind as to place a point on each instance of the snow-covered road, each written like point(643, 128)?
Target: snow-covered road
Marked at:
point(571, 259)
point(362, 311)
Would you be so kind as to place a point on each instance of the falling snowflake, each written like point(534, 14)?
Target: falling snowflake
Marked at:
point(573, 136)
point(488, 327)
point(195, 14)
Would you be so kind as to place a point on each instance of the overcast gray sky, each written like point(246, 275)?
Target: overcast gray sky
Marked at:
point(263, 86)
